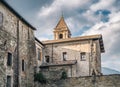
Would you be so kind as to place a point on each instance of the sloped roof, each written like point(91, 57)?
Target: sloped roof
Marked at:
point(81, 38)
point(36, 39)
point(59, 63)
point(61, 24)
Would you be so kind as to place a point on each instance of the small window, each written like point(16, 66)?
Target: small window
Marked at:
point(64, 56)
point(23, 65)
point(9, 59)
point(83, 56)
point(8, 84)
point(47, 59)
point(60, 36)
point(39, 55)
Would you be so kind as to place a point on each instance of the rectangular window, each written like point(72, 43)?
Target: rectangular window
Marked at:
point(23, 65)
point(47, 59)
point(9, 59)
point(64, 56)
point(8, 84)
point(39, 55)
point(83, 56)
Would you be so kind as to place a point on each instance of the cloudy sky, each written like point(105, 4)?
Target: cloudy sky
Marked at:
point(83, 17)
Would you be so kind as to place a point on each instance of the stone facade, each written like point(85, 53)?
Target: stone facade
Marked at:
point(85, 50)
point(17, 49)
point(39, 55)
point(74, 50)
point(88, 81)
point(22, 55)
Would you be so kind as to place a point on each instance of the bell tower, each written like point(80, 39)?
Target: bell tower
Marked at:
point(61, 31)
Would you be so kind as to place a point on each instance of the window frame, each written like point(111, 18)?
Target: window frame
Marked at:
point(23, 65)
point(47, 59)
point(39, 54)
point(83, 56)
point(9, 59)
point(64, 54)
point(7, 82)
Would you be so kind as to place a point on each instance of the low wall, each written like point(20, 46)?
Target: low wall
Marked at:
point(88, 81)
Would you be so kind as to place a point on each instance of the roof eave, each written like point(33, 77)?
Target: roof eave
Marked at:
point(39, 41)
point(16, 13)
point(101, 45)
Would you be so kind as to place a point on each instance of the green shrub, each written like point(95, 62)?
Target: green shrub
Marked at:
point(64, 75)
point(39, 77)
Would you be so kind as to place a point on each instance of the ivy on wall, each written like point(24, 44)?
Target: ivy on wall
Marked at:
point(64, 75)
point(39, 77)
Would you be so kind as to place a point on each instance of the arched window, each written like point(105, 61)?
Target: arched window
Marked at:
point(60, 36)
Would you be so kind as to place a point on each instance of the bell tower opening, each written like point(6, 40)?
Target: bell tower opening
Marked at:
point(61, 31)
point(60, 36)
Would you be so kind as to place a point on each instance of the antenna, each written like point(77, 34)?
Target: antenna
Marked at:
point(62, 14)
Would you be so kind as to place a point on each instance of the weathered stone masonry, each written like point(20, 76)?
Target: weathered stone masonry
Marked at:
point(16, 40)
point(85, 50)
point(22, 55)
point(86, 81)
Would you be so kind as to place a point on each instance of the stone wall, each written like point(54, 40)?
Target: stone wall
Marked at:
point(98, 81)
point(17, 38)
point(39, 55)
point(55, 72)
point(73, 50)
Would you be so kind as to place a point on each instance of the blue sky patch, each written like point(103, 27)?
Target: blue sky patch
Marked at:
point(81, 31)
point(103, 14)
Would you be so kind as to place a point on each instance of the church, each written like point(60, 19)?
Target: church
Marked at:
point(22, 54)
point(77, 56)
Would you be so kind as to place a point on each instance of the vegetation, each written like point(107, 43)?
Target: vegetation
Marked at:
point(64, 75)
point(39, 77)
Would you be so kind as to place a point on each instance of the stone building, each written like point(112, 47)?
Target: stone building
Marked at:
point(22, 54)
point(78, 56)
point(17, 49)
point(39, 55)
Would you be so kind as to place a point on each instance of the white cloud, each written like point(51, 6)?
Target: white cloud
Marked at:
point(115, 17)
point(61, 5)
point(111, 38)
point(112, 62)
point(102, 4)
point(48, 17)
point(43, 38)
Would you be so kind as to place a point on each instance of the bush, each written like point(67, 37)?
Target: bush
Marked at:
point(64, 75)
point(39, 77)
